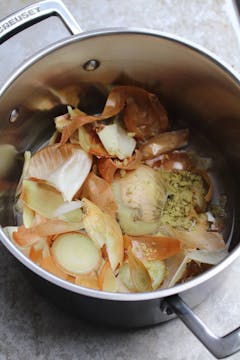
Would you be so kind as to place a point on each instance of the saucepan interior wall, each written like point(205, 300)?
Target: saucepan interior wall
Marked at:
point(196, 90)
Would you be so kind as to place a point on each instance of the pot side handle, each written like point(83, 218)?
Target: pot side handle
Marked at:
point(35, 13)
point(220, 347)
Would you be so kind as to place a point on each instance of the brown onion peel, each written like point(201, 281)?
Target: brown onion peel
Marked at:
point(176, 161)
point(139, 274)
point(108, 167)
point(155, 247)
point(100, 193)
point(49, 265)
point(87, 280)
point(26, 237)
point(143, 113)
point(164, 143)
point(107, 280)
point(90, 142)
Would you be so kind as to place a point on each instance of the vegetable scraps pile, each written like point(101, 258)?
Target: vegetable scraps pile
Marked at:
point(115, 202)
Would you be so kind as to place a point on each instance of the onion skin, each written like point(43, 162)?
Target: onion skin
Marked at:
point(176, 161)
point(114, 104)
point(198, 238)
point(40, 197)
point(25, 237)
point(87, 280)
point(108, 168)
point(143, 113)
point(62, 121)
point(106, 279)
point(100, 193)
point(103, 229)
point(65, 167)
point(144, 198)
point(49, 265)
point(90, 142)
point(139, 274)
point(163, 143)
point(155, 247)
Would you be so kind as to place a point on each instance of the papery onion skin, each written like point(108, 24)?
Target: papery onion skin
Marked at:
point(99, 191)
point(157, 272)
point(39, 251)
point(109, 167)
point(114, 104)
point(197, 238)
point(28, 216)
point(164, 142)
point(62, 121)
point(139, 274)
point(143, 113)
point(176, 267)
point(207, 257)
point(155, 247)
point(94, 222)
point(90, 142)
point(107, 280)
point(125, 277)
point(64, 167)
point(25, 237)
point(49, 265)
point(176, 161)
point(125, 196)
point(87, 280)
point(41, 197)
point(103, 229)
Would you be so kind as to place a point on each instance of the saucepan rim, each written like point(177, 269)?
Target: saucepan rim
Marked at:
point(162, 293)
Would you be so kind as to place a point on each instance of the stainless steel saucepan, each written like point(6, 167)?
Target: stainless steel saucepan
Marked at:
point(197, 88)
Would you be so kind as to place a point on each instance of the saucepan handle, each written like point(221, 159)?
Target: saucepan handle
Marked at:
point(35, 13)
point(220, 347)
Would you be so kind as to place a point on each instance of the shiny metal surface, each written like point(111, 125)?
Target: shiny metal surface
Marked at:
point(181, 86)
point(220, 347)
point(34, 13)
point(197, 88)
point(121, 313)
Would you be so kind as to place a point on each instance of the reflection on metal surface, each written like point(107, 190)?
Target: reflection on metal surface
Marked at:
point(91, 65)
point(14, 115)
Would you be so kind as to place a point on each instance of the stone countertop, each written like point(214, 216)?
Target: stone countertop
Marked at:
point(30, 327)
